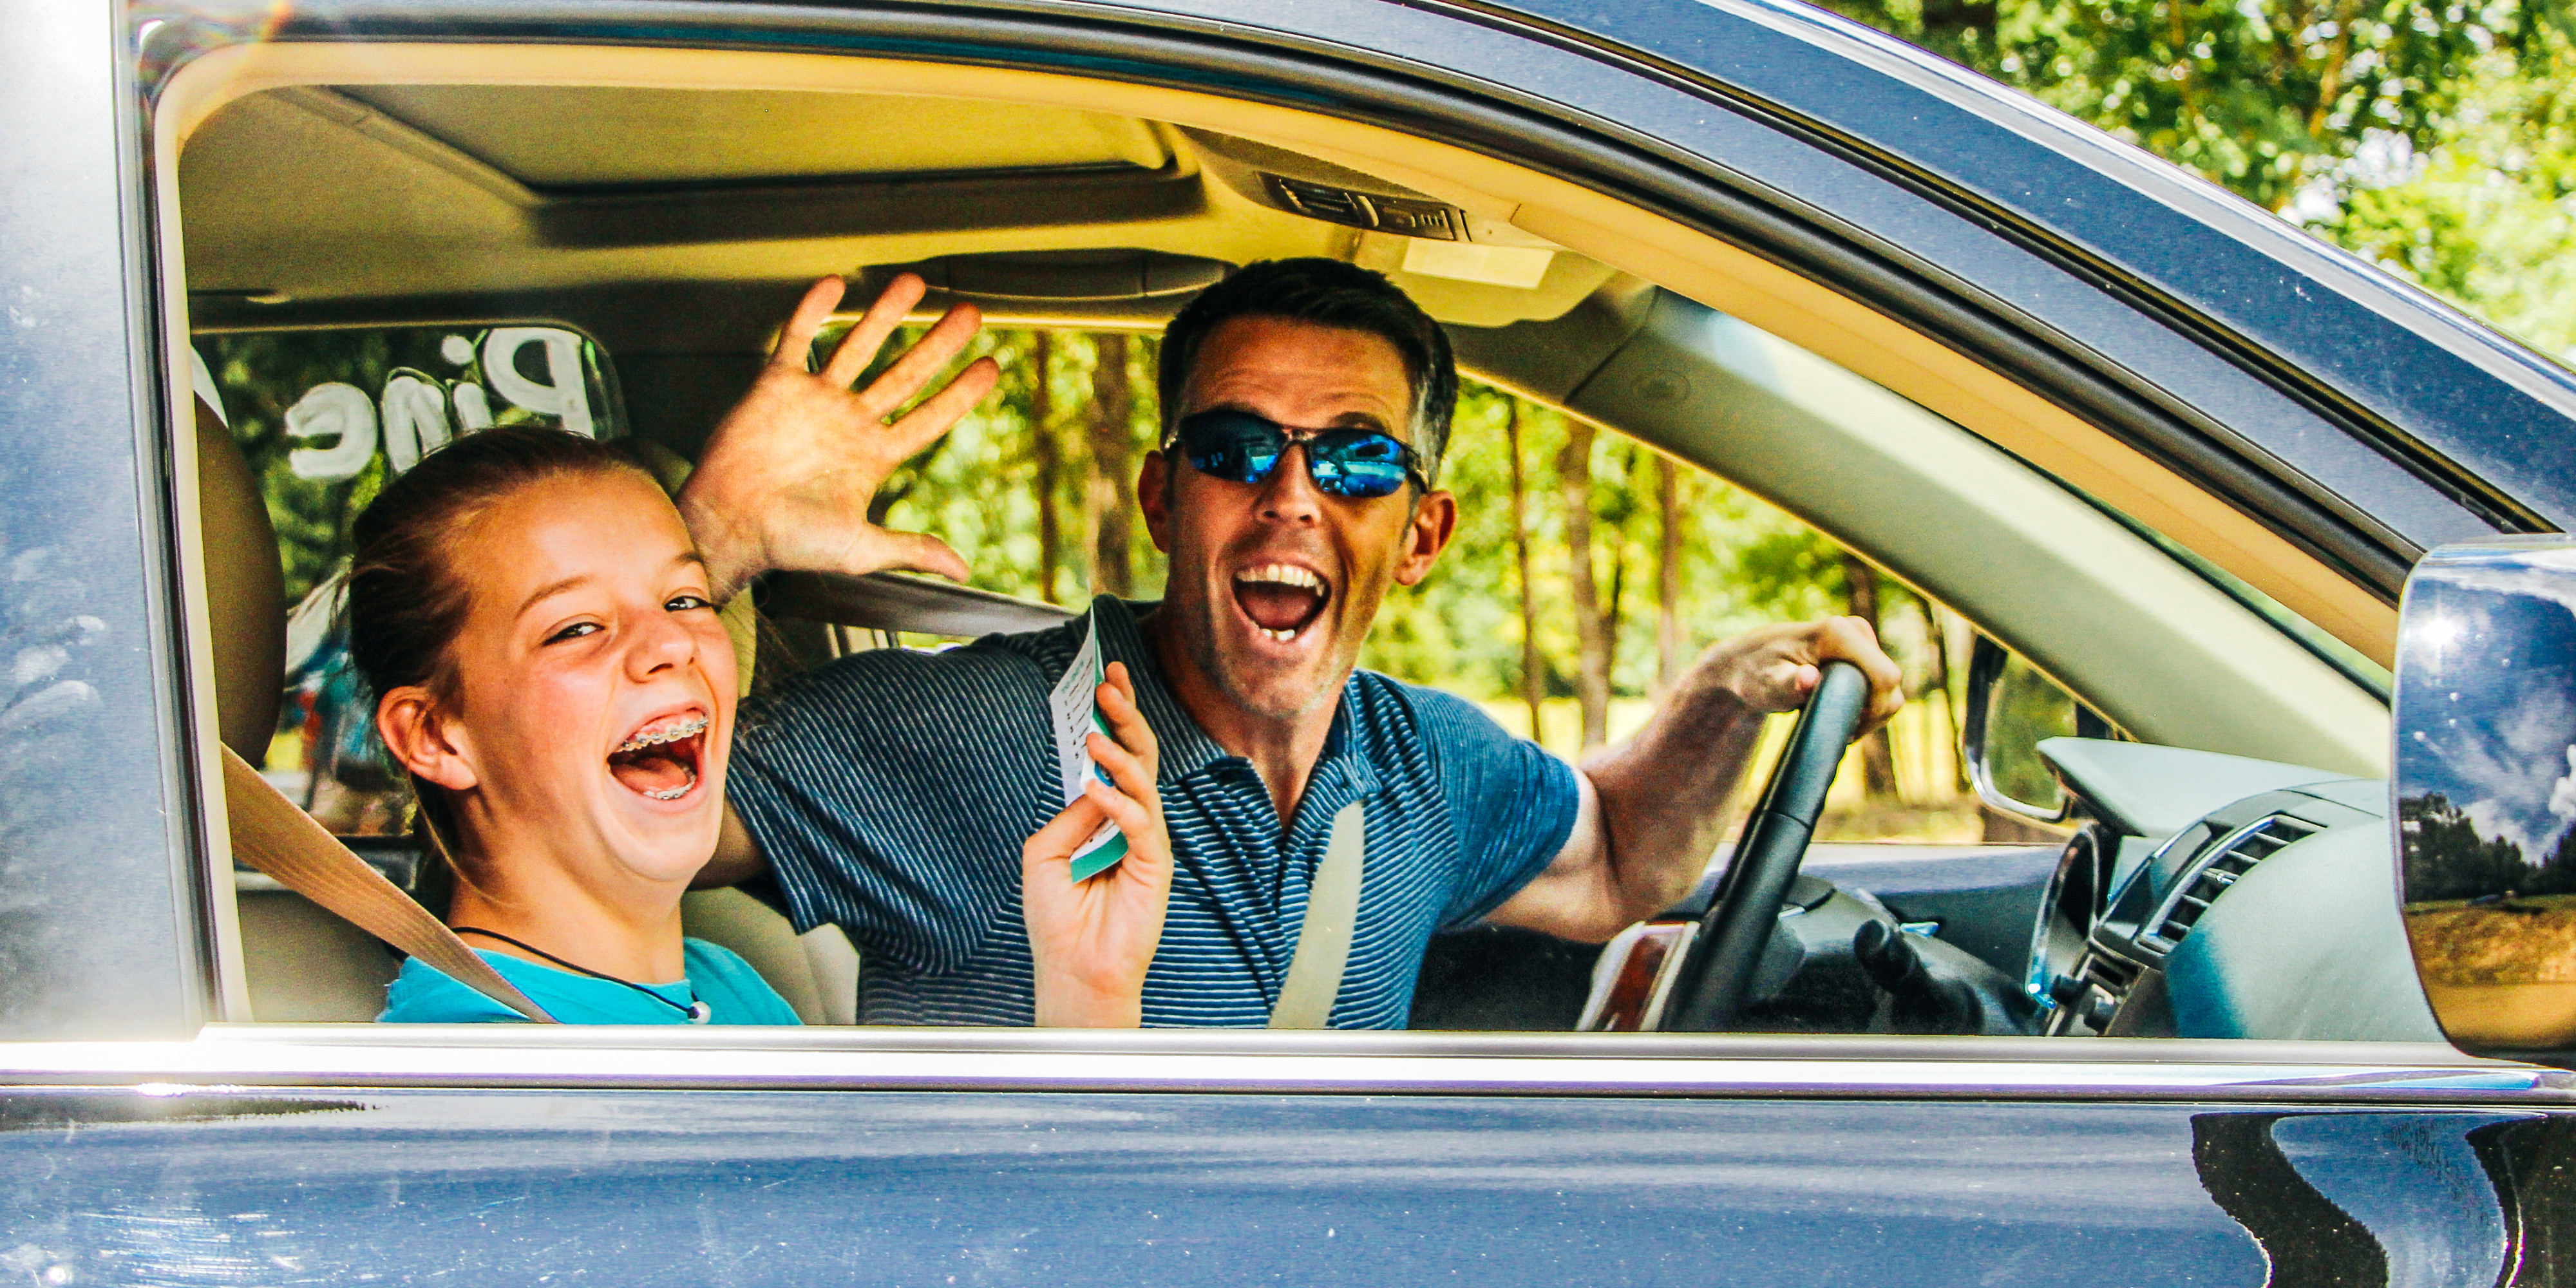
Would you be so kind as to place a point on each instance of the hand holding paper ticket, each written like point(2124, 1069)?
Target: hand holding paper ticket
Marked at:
point(1093, 939)
point(1075, 713)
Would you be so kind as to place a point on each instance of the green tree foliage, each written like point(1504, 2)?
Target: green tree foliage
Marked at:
point(1461, 629)
point(2486, 215)
point(259, 375)
point(2261, 95)
point(976, 487)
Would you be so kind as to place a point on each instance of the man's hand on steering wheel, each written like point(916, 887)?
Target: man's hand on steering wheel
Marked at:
point(1774, 668)
point(1657, 804)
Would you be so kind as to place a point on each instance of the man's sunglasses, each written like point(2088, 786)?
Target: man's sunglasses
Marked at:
point(1240, 447)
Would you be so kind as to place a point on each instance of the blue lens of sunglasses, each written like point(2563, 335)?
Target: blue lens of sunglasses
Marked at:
point(1243, 448)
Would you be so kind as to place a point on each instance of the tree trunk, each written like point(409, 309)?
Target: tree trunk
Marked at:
point(1111, 497)
point(1533, 688)
point(1614, 612)
point(1592, 679)
point(1613, 609)
point(1048, 455)
point(1877, 756)
point(1669, 657)
point(1937, 632)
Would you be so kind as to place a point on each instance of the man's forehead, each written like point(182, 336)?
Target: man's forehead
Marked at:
point(1300, 373)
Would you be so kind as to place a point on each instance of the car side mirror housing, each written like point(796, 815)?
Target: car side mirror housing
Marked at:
point(2484, 790)
point(2012, 708)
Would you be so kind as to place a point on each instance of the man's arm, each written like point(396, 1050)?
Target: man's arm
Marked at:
point(738, 857)
point(786, 478)
point(1652, 808)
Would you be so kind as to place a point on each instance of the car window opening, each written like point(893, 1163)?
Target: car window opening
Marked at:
point(1600, 546)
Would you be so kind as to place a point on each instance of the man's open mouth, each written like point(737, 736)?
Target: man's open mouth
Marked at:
point(1281, 599)
point(660, 761)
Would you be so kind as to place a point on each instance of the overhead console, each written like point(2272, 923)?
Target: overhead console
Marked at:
point(301, 196)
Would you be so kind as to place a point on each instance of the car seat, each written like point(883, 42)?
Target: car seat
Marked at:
point(303, 964)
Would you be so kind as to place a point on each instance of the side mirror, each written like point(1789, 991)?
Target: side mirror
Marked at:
point(2485, 790)
point(2012, 707)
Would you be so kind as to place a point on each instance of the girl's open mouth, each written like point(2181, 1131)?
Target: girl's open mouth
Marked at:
point(660, 761)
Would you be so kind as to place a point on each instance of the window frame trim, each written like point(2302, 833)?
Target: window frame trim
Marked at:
point(676, 1057)
point(221, 1037)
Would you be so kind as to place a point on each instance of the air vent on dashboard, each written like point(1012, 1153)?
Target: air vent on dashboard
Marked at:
point(2221, 866)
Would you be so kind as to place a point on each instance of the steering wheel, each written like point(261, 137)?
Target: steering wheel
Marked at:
point(1737, 926)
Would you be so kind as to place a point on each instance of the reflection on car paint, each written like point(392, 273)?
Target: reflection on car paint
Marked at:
point(1076, 1189)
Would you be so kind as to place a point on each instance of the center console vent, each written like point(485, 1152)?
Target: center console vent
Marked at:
point(2221, 865)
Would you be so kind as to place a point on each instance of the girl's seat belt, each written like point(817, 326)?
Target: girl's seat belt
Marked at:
point(270, 834)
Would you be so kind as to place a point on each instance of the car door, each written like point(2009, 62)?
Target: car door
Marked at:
point(147, 1144)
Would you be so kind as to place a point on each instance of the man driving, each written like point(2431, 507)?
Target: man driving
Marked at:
point(1306, 408)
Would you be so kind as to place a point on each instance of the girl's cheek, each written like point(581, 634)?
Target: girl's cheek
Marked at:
point(715, 653)
point(552, 699)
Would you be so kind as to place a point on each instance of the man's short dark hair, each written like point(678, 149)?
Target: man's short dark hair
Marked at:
point(1326, 292)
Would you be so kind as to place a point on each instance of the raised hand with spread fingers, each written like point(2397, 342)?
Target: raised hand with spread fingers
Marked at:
point(786, 478)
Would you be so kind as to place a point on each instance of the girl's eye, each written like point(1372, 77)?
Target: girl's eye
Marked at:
point(683, 603)
point(574, 631)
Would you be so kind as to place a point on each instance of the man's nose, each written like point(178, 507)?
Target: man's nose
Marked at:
point(1291, 495)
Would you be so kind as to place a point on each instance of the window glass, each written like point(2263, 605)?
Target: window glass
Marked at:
point(1590, 571)
point(324, 418)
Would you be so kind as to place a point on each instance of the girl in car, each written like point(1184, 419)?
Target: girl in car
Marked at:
point(551, 672)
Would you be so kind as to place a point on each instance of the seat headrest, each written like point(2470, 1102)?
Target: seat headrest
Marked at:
point(245, 591)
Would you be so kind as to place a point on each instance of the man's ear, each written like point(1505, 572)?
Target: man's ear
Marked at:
point(1154, 497)
point(423, 740)
point(1426, 534)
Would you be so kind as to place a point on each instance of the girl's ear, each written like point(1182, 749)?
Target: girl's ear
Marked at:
point(422, 738)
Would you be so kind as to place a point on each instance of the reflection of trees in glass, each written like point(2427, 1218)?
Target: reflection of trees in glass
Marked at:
point(262, 374)
point(2447, 859)
point(2024, 708)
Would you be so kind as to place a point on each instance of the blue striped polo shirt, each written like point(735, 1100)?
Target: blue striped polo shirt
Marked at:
point(890, 792)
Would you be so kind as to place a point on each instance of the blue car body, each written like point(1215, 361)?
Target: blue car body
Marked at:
point(2353, 415)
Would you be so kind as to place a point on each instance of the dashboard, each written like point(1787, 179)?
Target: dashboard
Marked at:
point(2204, 896)
point(2211, 896)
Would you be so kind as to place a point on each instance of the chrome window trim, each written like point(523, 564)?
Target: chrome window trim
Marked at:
point(1713, 1066)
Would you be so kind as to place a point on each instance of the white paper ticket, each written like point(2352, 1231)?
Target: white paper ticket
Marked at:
point(1075, 711)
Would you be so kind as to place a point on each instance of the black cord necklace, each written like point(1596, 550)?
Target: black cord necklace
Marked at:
point(697, 1011)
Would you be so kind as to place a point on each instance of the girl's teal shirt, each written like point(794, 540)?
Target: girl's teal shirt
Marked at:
point(732, 990)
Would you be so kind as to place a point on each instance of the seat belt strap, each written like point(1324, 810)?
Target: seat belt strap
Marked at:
point(1324, 941)
point(270, 834)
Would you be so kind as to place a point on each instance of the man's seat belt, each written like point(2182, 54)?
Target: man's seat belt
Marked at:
point(1324, 941)
point(270, 834)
